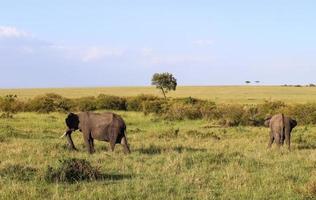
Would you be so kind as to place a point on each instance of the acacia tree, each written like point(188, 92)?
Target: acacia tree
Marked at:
point(247, 82)
point(164, 81)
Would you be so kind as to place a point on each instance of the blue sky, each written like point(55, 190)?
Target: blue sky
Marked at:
point(122, 43)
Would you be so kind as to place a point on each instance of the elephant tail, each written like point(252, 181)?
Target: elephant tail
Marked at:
point(282, 128)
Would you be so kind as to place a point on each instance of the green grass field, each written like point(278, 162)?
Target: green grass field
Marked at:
point(220, 94)
point(198, 162)
point(190, 159)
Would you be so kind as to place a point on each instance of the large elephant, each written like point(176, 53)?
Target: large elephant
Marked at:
point(106, 126)
point(280, 129)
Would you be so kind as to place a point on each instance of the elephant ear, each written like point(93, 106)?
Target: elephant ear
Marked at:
point(72, 121)
point(293, 123)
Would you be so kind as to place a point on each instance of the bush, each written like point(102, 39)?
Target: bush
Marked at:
point(49, 103)
point(270, 107)
point(155, 106)
point(86, 104)
point(10, 104)
point(136, 103)
point(188, 100)
point(208, 110)
point(252, 116)
point(180, 111)
point(232, 115)
point(303, 113)
point(110, 102)
point(72, 170)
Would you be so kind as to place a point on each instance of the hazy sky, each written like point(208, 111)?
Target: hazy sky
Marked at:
point(67, 43)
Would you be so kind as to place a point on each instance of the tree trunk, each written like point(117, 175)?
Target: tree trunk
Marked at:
point(163, 92)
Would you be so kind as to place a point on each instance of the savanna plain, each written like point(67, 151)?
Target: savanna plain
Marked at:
point(170, 159)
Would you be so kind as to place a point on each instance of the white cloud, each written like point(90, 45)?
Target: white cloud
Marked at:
point(146, 51)
point(12, 32)
point(181, 59)
point(203, 42)
point(98, 53)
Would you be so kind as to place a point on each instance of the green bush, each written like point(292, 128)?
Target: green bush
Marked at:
point(209, 110)
point(231, 115)
point(252, 116)
point(110, 102)
point(11, 104)
point(303, 113)
point(188, 100)
point(180, 111)
point(269, 108)
point(49, 103)
point(136, 103)
point(85, 104)
point(155, 106)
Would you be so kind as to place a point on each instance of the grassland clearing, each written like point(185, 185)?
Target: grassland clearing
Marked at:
point(189, 159)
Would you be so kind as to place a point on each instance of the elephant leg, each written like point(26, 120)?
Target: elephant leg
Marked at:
point(70, 142)
point(91, 145)
point(125, 145)
point(277, 139)
point(271, 140)
point(288, 139)
point(282, 138)
point(112, 144)
point(87, 142)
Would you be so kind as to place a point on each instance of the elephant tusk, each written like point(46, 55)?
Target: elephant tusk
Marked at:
point(63, 135)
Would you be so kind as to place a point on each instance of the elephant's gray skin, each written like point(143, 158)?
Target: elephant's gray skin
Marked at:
point(280, 129)
point(106, 126)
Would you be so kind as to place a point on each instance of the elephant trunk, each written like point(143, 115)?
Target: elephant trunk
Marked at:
point(69, 139)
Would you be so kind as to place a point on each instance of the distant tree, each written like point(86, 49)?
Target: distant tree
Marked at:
point(164, 81)
point(247, 82)
point(257, 81)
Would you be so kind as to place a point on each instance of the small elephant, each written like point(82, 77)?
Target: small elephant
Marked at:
point(280, 129)
point(106, 126)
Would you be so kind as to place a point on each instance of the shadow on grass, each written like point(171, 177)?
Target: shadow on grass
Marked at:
point(74, 170)
point(18, 172)
point(152, 150)
point(181, 149)
point(114, 177)
point(306, 146)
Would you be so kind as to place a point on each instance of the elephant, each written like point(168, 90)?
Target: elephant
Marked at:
point(106, 126)
point(280, 129)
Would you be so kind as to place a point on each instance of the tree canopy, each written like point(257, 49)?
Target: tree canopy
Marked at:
point(164, 81)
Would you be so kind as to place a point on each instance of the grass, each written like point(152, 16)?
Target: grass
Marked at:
point(169, 160)
point(219, 94)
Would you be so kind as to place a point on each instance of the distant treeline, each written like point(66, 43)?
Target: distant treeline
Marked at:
point(309, 85)
point(233, 114)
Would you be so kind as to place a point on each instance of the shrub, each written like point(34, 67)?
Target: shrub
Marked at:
point(252, 116)
point(303, 113)
point(208, 110)
point(49, 103)
point(110, 102)
point(188, 100)
point(86, 104)
point(270, 107)
point(136, 103)
point(180, 111)
point(232, 115)
point(72, 170)
point(10, 104)
point(155, 106)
